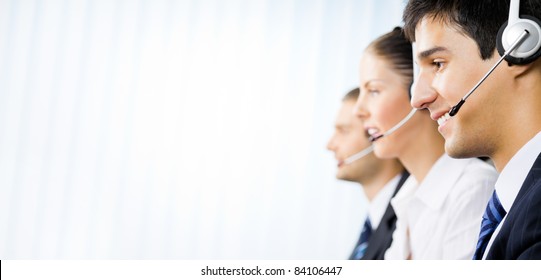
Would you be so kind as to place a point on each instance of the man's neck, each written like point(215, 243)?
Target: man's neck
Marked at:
point(503, 155)
point(373, 186)
point(522, 123)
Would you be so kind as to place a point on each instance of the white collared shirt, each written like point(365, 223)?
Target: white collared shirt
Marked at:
point(400, 247)
point(379, 204)
point(440, 218)
point(513, 176)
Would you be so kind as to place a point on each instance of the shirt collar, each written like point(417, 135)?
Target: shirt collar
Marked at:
point(379, 204)
point(401, 200)
point(514, 173)
point(433, 190)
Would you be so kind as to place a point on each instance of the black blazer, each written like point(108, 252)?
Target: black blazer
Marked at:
point(382, 237)
point(520, 234)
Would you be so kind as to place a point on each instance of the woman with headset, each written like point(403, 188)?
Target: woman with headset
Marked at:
point(439, 209)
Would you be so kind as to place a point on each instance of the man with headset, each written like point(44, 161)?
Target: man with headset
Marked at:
point(380, 179)
point(459, 44)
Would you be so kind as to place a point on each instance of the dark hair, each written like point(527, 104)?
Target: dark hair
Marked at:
point(352, 95)
point(396, 49)
point(477, 19)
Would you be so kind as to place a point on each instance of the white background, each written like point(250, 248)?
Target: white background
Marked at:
point(164, 129)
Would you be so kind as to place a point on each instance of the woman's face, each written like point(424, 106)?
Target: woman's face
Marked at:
point(383, 103)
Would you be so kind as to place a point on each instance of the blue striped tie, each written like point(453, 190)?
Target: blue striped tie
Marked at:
point(492, 217)
point(362, 244)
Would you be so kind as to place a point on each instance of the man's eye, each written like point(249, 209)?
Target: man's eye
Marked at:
point(437, 64)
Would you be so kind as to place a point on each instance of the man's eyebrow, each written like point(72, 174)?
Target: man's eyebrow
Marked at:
point(429, 52)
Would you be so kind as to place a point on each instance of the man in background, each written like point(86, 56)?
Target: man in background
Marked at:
point(380, 179)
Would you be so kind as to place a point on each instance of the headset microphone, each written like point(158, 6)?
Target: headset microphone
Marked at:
point(370, 148)
point(520, 39)
point(394, 128)
point(359, 155)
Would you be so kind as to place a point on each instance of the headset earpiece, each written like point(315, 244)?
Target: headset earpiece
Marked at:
point(527, 51)
point(519, 43)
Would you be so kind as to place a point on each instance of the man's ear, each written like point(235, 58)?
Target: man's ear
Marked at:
point(519, 70)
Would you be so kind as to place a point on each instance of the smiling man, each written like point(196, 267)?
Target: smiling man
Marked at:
point(455, 47)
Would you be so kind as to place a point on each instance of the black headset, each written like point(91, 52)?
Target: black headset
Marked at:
point(530, 49)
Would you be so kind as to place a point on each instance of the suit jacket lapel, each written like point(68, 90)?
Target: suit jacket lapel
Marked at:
point(499, 248)
point(382, 237)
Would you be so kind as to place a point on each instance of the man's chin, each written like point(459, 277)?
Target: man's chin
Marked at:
point(347, 178)
point(458, 151)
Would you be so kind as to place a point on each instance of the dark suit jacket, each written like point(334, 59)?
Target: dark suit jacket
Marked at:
point(520, 235)
point(382, 237)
